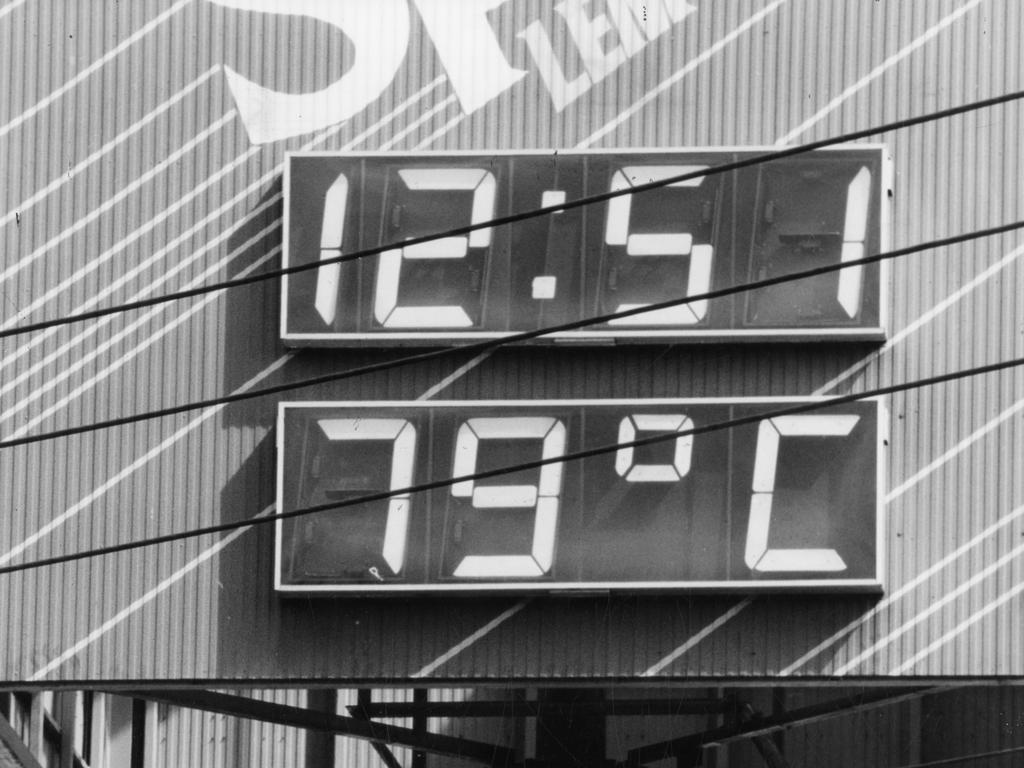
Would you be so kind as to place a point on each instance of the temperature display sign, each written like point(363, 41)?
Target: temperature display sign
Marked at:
point(783, 502)
point(631, 251)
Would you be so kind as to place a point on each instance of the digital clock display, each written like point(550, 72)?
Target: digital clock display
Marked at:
point(784, 502)
point(684, 239)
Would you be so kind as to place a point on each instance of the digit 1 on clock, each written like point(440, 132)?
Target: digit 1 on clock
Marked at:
point(328, 277)
point(858, 195)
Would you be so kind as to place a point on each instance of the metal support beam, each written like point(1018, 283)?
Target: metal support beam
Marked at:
point(67, 714)
point(770, 752)
point(138, 738)
point(766, 725)
point(319, 744)
point(11, 746)
point(521, 708)
point(297, 717)
point(419, 724)
point(36, 721)
point(359, 712)
point(765, 745)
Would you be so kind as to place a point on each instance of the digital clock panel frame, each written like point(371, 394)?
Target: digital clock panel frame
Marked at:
point(783, 503)
point(711, 232)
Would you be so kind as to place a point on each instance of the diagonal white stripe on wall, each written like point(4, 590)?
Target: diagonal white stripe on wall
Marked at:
point(84, 503)
point(462, 645)
point(127, 133)
point(94, 67)
point(958, 630)
point(924, 318)
point(678, 75)
point(932, 608)
point(876, 72)
point(191, 426)
point(140, 601)
point(95, 213)
point(10, 7)
point(911, 585)
point(698, 637)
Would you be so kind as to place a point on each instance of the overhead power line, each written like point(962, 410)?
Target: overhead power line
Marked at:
point(487, 344)
point(522, 216)
point(960, 760)
point(483, 475)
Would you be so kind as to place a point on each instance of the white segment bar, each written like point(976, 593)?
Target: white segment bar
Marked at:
point(700, 278)
point(362, 429)
point(328, 281)
point(775, 560)
point(442, 248)
point(429, 179)
point(498, 566)
point(514, 427)
point(395, 530)
point(328, 277)
point(766, 457)
point(804, 425)
point(335, 205)
point(494, 496)
point(429, 317)
point(858, 197)
point(669, 244)
point(757, 526)
point(551, 197)
point(851, 279)
point(681, 315)
point(483, 209)
point(544, 529)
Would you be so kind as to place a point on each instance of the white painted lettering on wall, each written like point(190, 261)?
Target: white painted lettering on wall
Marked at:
point(461, 32)
point(270, 115)
point(465, 42)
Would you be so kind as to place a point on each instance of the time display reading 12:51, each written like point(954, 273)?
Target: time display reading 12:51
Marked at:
point(684, 239)
point(782, 502)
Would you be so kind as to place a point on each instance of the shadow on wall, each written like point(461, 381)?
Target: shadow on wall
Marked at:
point(251, 312)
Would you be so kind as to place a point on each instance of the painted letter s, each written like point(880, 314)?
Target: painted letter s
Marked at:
point(270, 115)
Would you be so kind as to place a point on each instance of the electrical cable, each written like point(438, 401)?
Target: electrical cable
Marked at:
point(480, 346)
point(483, 475)
point(522, 216)
point(529, 334)
point(965, 758)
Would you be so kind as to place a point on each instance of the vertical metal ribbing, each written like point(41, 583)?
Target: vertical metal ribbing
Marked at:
point(170, 152)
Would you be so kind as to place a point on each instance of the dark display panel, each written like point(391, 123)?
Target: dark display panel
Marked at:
point(788, 502)
point(685, 239)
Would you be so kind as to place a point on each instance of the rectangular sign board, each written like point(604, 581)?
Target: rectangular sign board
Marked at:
point(684, 239)
point(784, 502)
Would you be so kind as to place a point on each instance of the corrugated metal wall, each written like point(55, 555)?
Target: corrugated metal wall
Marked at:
point(127, 171)
point(186, 737)
point(491, 730)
